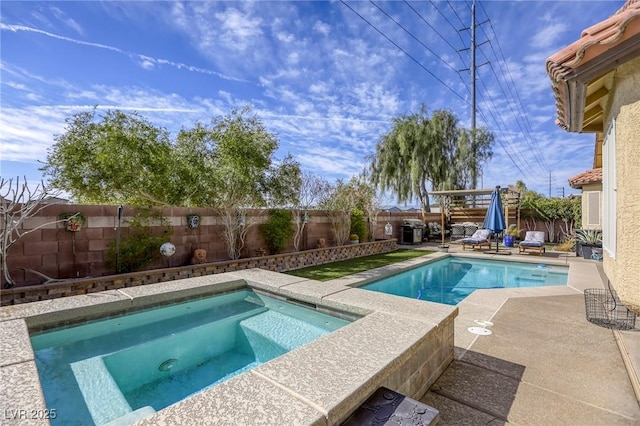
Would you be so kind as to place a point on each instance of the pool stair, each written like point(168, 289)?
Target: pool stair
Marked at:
point(103, 397)
point(531, 279)
point(271, 334)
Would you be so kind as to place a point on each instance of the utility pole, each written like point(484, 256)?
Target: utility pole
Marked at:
point(549, 184)
point(473, 72)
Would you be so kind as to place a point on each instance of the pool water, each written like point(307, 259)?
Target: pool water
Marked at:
point(127, 367)
point(452, 279)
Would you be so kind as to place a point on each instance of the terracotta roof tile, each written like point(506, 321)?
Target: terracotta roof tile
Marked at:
point(585, 178)
point(594, 41)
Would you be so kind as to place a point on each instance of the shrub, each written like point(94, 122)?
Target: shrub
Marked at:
point(140, 246)
point(358, 224)
point(277, 230)
point(589, 236)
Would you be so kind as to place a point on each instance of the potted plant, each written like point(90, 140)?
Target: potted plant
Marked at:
point(586, 240)
point(509, 237)
point(354, 239)
point(443, 248)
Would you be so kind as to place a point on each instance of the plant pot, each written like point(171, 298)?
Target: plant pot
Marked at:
point(508, 240)
point(443, 249)
point(354, 241)
point(587, 249)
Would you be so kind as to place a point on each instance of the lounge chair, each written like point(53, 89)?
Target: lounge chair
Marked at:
point(534, 241)
point(478, 239)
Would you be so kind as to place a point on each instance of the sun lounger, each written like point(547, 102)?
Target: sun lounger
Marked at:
point(534, 241)
point(478, 239)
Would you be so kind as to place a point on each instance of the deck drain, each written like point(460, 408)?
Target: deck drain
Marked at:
point(483, 323)
point(480, 330)
point(168, 364)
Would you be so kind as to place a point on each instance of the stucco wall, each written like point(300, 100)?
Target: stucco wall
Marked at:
point(624, 270)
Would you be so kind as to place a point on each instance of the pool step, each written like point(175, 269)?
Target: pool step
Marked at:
point(272, 334)
point(101, 393)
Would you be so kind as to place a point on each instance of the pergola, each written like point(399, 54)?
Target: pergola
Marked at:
point(445, 198)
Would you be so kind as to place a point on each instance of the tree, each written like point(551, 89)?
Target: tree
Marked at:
point(367, 200)
point(422, 151)
point(245, 174)
point(121, 158)
point(473, 150)
point(18, 203)
point(228, 164)
point(339, 203)
point(310, 190)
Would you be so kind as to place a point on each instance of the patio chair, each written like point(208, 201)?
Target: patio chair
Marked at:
point(435, 231)
point(478, 239)
point(534, 241)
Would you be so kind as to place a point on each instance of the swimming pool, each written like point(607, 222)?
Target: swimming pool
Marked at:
point(129, 366)
point(452, 279)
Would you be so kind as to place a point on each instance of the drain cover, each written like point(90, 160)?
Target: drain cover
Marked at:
point(480, 330)
point(483, 323)
point(168, 364)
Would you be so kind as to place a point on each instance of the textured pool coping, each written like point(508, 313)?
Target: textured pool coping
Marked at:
point(401, 344)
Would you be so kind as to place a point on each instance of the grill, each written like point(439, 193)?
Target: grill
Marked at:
point(412, 231)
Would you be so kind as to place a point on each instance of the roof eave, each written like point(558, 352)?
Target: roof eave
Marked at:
point(571, 86)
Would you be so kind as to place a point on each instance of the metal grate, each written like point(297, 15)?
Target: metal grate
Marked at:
point(605, 309)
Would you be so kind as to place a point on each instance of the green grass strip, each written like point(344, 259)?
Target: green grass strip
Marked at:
point(330, 271)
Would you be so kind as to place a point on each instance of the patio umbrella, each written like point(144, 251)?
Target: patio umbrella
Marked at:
point(494, 220)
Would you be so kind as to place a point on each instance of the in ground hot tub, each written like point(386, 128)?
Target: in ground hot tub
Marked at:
point(127, 367)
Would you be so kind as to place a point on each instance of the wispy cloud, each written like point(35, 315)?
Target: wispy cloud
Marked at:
point(145, 60)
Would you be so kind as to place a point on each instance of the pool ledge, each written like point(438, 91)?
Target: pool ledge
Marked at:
point(402, 344)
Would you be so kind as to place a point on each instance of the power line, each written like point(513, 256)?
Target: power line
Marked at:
point(515, 95)
point(432, 27)
point(412, 36)
point(405, 52)
point(447, 20)
point(456, 13)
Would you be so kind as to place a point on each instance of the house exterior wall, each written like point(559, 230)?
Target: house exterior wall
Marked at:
point(588, 191)
point(624, 107)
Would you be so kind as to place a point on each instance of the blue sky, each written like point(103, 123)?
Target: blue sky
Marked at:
point(326, 77)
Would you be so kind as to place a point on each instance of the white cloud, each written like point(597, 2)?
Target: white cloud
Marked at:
point(322, 28)
point(66, 20)
point(238, 30)
point(549, 35)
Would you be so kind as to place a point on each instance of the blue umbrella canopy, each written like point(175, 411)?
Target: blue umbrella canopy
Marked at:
point(494, 220)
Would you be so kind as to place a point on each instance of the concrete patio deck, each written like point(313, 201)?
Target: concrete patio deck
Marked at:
point(544, 363)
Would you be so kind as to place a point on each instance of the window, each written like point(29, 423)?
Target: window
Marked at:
point(593, 209)
point(609, 186)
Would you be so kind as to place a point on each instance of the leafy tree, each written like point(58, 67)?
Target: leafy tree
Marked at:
point(277, 230)
point(121, 159)
point(228, 164)
point(422, 151)
point(245, 174)
point(471, 150)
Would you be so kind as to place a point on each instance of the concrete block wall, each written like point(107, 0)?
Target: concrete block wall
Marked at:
point(277, 263)
point(61, 254)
